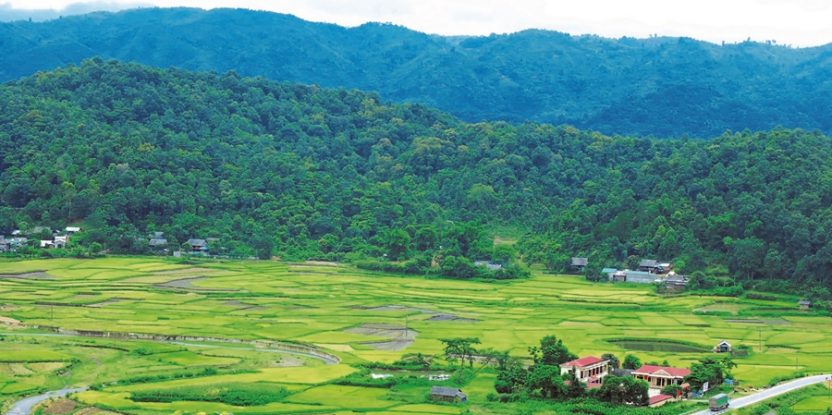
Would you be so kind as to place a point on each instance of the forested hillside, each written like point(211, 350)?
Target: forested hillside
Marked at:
point(667, 87)
point(304, 172)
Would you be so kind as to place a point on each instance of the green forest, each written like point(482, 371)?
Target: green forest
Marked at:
point(658, 86)
point(301, 172)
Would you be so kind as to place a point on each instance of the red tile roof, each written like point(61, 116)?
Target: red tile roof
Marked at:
point(672, 371)
point(583, 362)
point(659, 398)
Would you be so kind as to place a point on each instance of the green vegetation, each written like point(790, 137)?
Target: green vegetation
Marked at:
point(245, 394)
point(812, 400)
point(658, 345)
point(304, 173)
point(661, 86)
point(375, 323)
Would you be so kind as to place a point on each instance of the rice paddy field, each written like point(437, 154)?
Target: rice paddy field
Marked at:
point(138, 327)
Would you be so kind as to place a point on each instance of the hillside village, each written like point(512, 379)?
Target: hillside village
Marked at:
point(649, 271)
point(38, 237)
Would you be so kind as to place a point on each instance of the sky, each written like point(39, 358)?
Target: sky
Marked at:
point(796, 23)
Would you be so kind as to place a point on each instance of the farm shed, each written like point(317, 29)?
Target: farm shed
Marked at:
point(445, 394)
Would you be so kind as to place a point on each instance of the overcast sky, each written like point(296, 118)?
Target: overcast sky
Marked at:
point(792, 22)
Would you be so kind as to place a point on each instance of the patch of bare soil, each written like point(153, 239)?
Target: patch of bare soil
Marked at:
point(452, 317)
point(10, 322)
point(37, 275)
point(59, 407)
point(399, 337)
point(289, 361)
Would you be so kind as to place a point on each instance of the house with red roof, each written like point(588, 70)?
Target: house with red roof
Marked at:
point(589, 370)
point(659, 400)
point(660, 376)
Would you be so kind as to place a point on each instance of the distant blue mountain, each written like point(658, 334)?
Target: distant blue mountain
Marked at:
point(657, 86)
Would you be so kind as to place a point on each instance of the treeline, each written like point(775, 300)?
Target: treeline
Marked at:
point(302, 172)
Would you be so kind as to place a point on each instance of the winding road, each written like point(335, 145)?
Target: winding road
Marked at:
point(25, 406)
point(771, 392)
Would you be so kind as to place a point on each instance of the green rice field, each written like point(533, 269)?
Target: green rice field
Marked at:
point(131, 327)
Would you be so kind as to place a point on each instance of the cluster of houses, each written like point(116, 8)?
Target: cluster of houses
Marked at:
point(19, 238)
point(650, 271)
point(157, 243)
point(591, 370)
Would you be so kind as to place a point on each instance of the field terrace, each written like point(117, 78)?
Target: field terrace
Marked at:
point(357, 316)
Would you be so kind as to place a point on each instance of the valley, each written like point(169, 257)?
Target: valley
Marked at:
point(219, 331)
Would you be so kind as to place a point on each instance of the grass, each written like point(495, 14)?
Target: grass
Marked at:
point(812, 400)
point(243, 301)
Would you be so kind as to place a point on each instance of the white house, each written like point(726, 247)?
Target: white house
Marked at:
point(589, 370)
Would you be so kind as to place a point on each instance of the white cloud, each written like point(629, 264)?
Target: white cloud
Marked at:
point(795, 22)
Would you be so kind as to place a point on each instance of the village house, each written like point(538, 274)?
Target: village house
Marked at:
point(654, 266)
point(60, 241)
point(804, 304)
point(5, 245)
point(723, 347)
point(45, 243)
point(608, 273)
point(660, 376)
point(198, 246)
point(647, 265)
point(589, 370)
point(675, 282)
point(444, 394)
point(17, 242)
point(640, 277)
point(72, 229)
point(157, 241)
point(578, 264)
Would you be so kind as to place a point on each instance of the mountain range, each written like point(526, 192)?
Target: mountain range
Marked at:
point(666, 87)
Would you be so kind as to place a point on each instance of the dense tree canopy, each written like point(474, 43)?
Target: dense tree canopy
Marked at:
point(304, 172)
point(669, 87)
